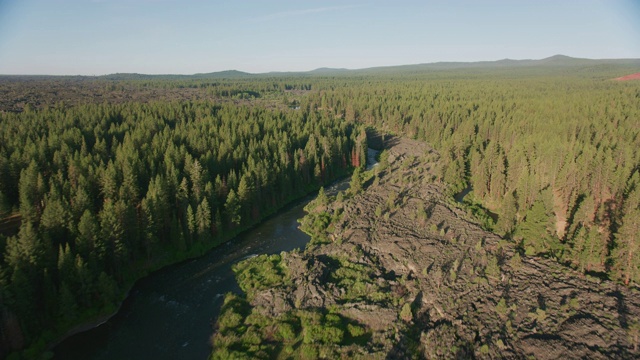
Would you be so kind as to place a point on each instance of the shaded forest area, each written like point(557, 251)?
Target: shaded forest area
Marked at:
point(110, 179)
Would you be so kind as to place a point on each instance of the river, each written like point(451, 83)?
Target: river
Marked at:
point(168, 315)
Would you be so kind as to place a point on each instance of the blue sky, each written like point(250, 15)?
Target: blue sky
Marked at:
point(94, 37)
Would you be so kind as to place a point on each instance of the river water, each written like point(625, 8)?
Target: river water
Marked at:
point(169, 314)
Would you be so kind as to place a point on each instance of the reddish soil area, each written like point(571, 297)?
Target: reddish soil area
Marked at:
point(635, 76)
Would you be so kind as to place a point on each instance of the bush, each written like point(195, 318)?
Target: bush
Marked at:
point(406, 314)
point(332, 335)
point(355, 330)
point(333, 319)
point(229, 319)
point(308, 352)
point(323, 334)
point(260, 272)
point(493, 269)
point(252, 337)
point(285, 332)
point(234, 310)
point(501, 308)
point(308, 318)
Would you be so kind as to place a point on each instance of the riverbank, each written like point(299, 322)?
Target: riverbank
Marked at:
point(158, 292)
point(409, 273)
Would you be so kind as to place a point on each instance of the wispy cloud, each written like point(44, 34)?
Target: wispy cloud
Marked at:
point(301, 12)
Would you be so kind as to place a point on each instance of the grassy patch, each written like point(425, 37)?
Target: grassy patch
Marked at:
point(299, 334)
point(259, 273)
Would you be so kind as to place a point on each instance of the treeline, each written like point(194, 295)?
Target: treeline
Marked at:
point(107, 193)
point(557, 158)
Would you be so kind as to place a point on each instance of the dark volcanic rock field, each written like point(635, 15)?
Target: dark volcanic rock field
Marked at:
point(411, 267)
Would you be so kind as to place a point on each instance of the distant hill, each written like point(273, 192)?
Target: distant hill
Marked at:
point(550, 65)
point(325, 70)
point(133, 76)
point(553, 62)
point(561, 60)
point(556, 60)
point(227, 74)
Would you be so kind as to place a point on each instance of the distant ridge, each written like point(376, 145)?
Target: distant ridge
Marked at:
point(563, 60)
point(558, 60)
point(227, 74)
point(326, 70)
point(550, 64)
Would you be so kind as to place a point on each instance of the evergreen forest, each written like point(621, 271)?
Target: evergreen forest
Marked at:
point(96, 192)
point(104, 194)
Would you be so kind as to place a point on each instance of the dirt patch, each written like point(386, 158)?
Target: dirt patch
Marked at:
point(560, 210)
point(635, 76)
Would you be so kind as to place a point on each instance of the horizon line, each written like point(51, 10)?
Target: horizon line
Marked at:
point(276, 72)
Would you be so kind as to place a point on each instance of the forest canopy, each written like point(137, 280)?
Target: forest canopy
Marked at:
point(106, 193)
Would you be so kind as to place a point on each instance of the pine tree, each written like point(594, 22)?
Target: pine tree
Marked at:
point(322, 199)
point(55, 219)
point(85, 282)
point(196, 176)
point(80, 202)
point(109, 182)
point(107, 289)
point(26, 250)
point(67, 304)
point(191, 222)
point(149, 226)
point(508, 215)
point(130, 188)
point(5, 208)
point(626, 255)
point(244, 195)
point(88, 232)
point(109, 246)
point(22, 298)
point(232, 208)
point(355, 186)
point(31, 190)
point(534, 231)
point(176, 234)
point(66, 266)
point(203, 221)
point(218, 225)
point(584, 214)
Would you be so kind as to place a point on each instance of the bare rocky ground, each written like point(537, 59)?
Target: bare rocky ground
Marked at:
point(439, 286)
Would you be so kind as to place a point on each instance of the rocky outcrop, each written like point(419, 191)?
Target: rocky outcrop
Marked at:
point(414, 268)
